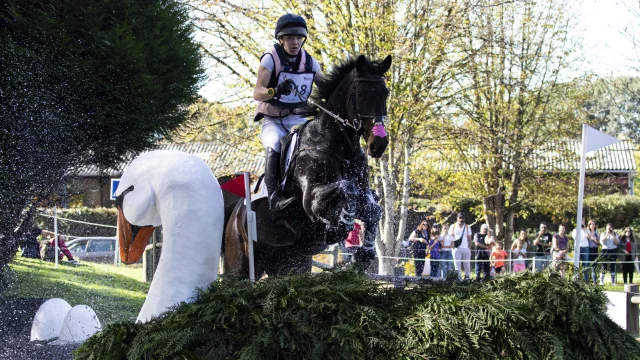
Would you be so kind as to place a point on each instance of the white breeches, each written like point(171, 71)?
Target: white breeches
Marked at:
point(272, 130)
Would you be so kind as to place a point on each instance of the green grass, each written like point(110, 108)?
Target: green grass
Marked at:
point(115, 293)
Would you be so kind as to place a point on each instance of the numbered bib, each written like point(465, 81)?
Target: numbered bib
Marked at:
point(304, 83)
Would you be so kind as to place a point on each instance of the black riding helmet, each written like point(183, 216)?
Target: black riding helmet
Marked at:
point(290, 24)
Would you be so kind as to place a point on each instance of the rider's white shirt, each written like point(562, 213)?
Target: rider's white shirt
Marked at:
point(289, 120)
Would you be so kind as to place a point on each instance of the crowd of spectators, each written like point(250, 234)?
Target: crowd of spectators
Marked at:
point(446, 248)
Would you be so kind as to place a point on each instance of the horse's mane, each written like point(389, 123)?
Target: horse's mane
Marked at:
point(332, 79)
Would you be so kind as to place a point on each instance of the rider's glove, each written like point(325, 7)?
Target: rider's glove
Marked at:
point(285, 87)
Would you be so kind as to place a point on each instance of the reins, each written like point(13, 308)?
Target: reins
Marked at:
point(357, 122)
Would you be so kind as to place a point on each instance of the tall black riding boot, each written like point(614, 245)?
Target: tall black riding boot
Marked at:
point(272, 180)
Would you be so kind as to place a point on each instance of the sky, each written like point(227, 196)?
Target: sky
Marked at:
point(601, 23)
point(608, 51)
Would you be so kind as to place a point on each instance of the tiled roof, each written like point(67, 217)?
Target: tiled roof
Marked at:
point(613, 158)
point(556, 156)
point(222, 158)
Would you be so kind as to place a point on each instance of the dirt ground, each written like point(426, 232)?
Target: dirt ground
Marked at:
point(16, 315)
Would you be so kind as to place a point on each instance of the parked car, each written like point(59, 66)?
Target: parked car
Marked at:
point(94, 249)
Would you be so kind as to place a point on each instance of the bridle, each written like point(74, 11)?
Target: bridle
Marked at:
point(357, 122)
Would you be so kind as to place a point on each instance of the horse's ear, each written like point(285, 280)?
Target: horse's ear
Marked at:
point(361, 63)
point(385, 64)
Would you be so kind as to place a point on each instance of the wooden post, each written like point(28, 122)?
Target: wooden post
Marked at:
point(632, 309)
point(154, 240)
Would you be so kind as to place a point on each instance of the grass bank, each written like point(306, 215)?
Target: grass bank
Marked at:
point(115, 293)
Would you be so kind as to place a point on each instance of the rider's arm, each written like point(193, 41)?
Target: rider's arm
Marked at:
point(261, 92)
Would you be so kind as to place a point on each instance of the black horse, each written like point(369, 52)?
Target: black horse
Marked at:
point(328, 176)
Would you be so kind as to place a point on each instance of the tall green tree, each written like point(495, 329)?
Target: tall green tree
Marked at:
point(517, 103)
point(85, 81)
point(613, 105)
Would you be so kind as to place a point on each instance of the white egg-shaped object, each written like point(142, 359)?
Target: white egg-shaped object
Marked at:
point(49, 319)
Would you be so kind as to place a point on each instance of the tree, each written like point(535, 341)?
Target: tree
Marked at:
point(613, 104)
point(518, 102)
point(85, 81)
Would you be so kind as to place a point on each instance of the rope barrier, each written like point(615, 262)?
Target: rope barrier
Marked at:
point(78, 221)
point(489, 260)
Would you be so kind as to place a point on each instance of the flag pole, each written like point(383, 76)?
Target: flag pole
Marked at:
point(583, 162)
point(251, 225)
point(55, 233)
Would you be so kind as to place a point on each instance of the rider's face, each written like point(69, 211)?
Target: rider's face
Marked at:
point(292, 44)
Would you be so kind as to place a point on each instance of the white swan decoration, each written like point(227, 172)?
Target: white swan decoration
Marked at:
point(169, 188)
point(178, 191)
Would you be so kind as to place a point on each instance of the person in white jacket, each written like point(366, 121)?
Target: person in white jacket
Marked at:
point(461, 234)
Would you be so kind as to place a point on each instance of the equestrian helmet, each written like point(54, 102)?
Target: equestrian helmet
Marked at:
point(291, 24)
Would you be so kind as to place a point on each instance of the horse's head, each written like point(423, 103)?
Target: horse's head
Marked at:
point(369, 95)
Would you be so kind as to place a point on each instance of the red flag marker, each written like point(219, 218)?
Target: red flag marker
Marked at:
point(235, 185)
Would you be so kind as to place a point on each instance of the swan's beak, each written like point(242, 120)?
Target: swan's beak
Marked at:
point(133, 239)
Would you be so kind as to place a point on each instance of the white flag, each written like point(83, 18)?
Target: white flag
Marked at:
point(597, 139)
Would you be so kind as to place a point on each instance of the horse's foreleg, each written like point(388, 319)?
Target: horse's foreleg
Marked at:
point(333, 204)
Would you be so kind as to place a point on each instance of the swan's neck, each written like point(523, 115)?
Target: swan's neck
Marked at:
point(192, 235)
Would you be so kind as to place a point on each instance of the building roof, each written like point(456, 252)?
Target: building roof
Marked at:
point(618, 157)
point(222, 158)
point(226, 159)
point(562, 156)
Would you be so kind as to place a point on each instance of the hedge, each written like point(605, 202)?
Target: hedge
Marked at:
point(344, 315)
point(619, 210)
point(106, 216)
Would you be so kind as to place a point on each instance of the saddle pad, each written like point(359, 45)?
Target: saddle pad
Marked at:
point(288, 156)
point(262, 192)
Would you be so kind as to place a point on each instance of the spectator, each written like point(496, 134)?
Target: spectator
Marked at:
point(446, 246)
point(490, 240)
point(62, 246)
point(497, 258)
point(560, 247)
point(629, 251)
point(519, 252)
point(542, 243)
point(434, 250)
point(594, 242)
point(419, 240)
point(461, 234)
point(354, 238)
point(483, 252)
point(30, 245)
point(525, 244)
point(609, 240)
point(584, 249)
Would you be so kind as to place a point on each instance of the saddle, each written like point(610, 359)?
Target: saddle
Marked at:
point(289, 146)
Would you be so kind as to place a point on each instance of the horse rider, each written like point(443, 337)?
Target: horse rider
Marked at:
point(283, 66)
